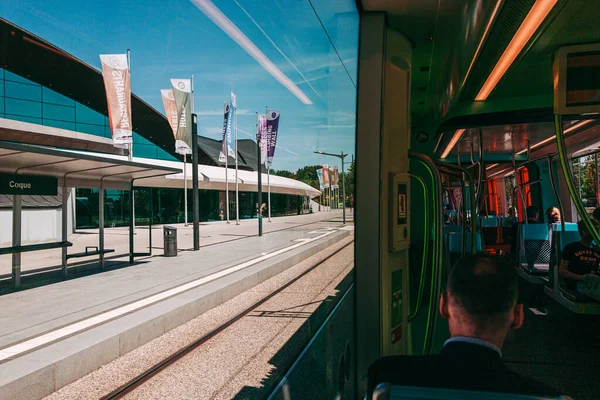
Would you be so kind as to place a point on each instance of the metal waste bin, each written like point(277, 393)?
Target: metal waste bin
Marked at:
point(170, 241)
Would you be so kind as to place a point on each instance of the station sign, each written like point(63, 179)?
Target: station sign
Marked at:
point(28, 185)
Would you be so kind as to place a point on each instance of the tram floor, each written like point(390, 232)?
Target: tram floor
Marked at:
point(556, 346)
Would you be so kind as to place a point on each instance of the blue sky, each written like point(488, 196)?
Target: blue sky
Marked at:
point(176, 39)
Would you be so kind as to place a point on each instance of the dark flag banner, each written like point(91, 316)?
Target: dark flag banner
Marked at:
point(272, 129)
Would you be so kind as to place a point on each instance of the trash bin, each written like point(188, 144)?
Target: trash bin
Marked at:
point(170, 241)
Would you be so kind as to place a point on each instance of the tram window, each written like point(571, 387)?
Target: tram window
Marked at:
point(585, 172)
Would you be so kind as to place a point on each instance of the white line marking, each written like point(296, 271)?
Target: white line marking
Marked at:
point(538, 312)
point(118, 312)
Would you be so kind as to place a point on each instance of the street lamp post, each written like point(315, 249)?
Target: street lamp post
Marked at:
point(341, 157)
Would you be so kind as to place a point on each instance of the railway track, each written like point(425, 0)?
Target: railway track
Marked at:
point(147, 375)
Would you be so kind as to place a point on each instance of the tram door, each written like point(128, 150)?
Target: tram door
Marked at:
point(383, 209)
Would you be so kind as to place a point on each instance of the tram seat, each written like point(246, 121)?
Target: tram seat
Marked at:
point(489, 229)
point(451, 228)
point(454, 245)
point(570, 299)
point(507, 230)
point(385, 391)
point(560, 239)
point(534, 251)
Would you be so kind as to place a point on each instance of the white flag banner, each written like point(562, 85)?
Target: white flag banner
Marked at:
point(182, 93)
point(115, 72)
point(171, 112)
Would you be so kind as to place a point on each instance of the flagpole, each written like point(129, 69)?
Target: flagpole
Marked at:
point(226, 169)
point(237, 197)
point(185, 184)
point(268, 170)
point(130, 156)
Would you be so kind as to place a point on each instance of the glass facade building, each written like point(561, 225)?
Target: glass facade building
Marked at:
point(26, 101)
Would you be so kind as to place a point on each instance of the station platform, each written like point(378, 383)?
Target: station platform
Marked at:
point(55, 334)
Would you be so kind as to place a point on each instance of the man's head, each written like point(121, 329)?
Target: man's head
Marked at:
point(533, 213)
point(585, 234)
point(481, 298)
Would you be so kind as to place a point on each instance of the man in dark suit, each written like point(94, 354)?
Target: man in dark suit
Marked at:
point(480, 304)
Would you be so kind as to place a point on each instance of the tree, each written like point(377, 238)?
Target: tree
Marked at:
point(284, 173)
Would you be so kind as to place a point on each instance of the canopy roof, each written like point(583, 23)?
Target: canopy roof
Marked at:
point(77, 169)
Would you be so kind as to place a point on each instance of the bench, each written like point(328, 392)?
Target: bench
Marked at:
point(34, 247)
point(385, 391)
point(87, 252)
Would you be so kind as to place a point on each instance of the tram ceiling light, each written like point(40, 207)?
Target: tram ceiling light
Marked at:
point(216, 16)
point(491, 166)
point(533, 20)
point(457, 135)
point(551, 138)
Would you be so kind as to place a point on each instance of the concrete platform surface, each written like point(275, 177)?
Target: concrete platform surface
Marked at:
point(52, 335)
point(211, 233)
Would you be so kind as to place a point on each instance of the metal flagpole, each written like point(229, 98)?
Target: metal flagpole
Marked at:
point(185, 190)
point(130, 156)
point(226, 168)
point(237, 196)
point(268, 169)
point(259, 181)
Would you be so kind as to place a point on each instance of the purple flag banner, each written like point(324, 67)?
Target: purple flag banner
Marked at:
point(272, 129)
point(262, 136)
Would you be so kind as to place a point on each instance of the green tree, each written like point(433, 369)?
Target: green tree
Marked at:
point(284, 173)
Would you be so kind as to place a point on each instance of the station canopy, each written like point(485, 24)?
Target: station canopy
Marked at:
point(77, 169)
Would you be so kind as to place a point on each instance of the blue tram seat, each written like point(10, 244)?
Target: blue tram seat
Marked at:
point(385, 391)
point(489, 228)
point(453, 246)
point(560, 239)
point(534, 251)
point(570, 299)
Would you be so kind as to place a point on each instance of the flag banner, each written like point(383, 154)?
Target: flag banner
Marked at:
point(182, 92)
point(115, 71)
point(272, 128)
point(326, 181)
point(331, 178)
point(264, 139)
point(336, 178)
point(227, 142)
point(320, 177)
point(233, 101)
point(171, 113)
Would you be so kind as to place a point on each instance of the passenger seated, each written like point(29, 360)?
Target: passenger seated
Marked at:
point(480, 304)
point(553, 215)
point(533, 215)
point(579, 258)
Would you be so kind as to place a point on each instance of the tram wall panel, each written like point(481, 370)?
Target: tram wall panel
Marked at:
point(41, 372)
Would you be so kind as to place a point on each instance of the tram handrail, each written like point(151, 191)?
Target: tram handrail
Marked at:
point(429, 164)
point(426, 231)
point(564, 163)
point(471, 198)
point(555, 190)
point(463, 200)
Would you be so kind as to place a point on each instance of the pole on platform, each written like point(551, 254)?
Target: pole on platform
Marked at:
point(343, 191)
point(259, 184)
point(185, 190)
point(101, 225)
point(237, 195)
point(130, 155)
point(131, 223)
point(226, 171)
point(16, 241)
point(63, 228)
point(195, 177)
point(269, 188)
